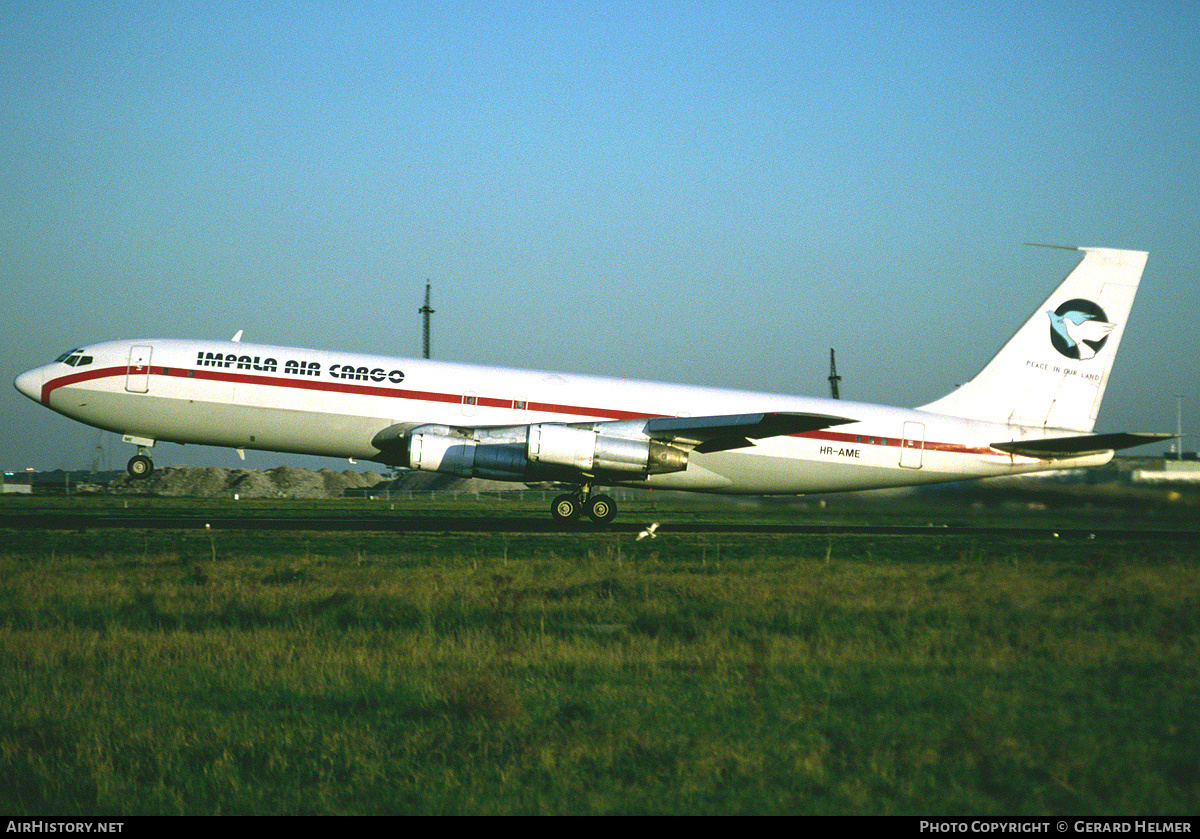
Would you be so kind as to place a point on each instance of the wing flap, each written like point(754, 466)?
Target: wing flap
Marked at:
point(735, 431)
point(1079, 445)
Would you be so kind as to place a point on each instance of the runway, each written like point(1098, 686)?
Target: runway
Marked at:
point(538, 524)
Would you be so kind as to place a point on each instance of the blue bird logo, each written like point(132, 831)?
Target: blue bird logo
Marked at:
point(1079, 329)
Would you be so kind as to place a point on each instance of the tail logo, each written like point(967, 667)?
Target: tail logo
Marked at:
point(1079, 329)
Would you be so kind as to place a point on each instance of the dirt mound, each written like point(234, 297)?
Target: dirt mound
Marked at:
point(336, 483)
point(213, 482)
point(195, 483)
point(250, 483)
point(290, 482)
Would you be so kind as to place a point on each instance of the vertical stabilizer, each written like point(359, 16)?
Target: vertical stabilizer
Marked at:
point(1053, 372)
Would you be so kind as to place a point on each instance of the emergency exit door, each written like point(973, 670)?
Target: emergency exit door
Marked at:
point(137, 376)
point(912, 446)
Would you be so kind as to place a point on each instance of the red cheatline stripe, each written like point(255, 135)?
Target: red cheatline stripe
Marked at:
point(337, 387)
point(74, 378)
point(449, 398)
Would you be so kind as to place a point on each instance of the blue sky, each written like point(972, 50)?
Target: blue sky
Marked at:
point(713, 193)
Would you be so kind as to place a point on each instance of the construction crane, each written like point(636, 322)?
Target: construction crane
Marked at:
point(426, 311)
point(834, 378)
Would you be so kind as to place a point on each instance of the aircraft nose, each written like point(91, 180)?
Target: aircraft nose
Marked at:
point(30, 384)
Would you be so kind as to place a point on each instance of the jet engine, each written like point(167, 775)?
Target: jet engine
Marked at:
point(589, 450)
point(539, 451)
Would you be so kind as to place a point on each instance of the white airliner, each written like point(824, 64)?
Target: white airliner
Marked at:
point(1033, 407)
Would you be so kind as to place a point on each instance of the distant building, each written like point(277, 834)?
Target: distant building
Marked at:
point(1170, 471)
point(13, 482)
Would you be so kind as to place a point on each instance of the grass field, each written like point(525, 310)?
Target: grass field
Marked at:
point(151, 672)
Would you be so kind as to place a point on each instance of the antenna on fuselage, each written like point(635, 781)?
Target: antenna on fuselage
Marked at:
point(834, 378)
point(426, 311)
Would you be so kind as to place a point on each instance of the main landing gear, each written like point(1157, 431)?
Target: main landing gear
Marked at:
point(569, 506)
point(140, 465)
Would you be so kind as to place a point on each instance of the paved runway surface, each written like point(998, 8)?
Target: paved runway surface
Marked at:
point(535, 524)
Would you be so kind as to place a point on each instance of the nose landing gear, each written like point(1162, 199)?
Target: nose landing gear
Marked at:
point(140, 466)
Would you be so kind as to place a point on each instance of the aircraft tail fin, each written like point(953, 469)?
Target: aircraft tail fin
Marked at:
point(1052, 373)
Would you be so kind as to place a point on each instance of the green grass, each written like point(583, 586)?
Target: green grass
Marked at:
point(586, 673)
point(987, 503)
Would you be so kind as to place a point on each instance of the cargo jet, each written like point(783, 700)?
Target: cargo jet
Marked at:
point(1033, 407)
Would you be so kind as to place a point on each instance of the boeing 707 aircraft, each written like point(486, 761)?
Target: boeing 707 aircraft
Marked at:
point(1033, 407)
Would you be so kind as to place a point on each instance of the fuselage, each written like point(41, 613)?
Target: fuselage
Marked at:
point(286, 399)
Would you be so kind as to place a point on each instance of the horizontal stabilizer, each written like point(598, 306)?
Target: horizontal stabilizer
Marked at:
point(1079, 445)
point(735, 431)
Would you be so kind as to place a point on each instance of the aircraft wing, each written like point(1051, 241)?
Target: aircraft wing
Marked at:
point(735, 431)
point(1079, 445)
point(651, 446)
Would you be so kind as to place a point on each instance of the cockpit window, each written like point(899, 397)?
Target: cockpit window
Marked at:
point(75, 358)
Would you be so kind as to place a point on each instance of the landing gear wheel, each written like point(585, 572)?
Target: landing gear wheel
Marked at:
point(601, 509)
point(566, 508)
point(140, 466)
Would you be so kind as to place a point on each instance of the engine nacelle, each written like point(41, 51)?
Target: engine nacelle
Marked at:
point(434, 448)
point(537, 452)
point(588, 450)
